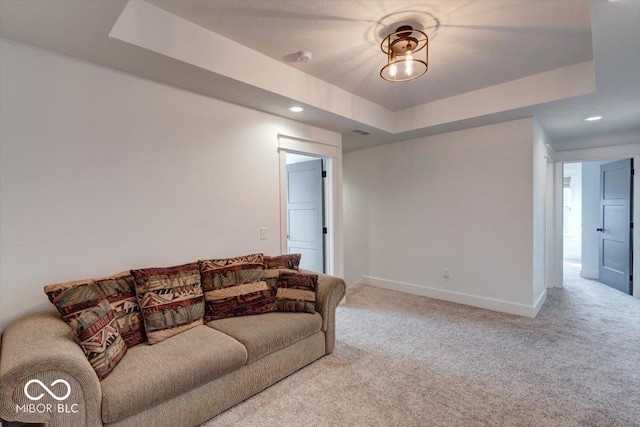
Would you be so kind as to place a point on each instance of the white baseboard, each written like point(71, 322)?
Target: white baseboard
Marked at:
point(539, 303)
point(590, 274)
point(460, 298)
point(356, 283)
point(344, 299)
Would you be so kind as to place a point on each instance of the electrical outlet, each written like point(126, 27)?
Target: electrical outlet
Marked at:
point(263, 233)
point(446, 275)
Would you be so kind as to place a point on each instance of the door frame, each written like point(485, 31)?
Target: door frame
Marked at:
point(554, 269)
point(333, 195)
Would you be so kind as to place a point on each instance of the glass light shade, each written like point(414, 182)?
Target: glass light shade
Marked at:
point(393, 69)
point(404, 50)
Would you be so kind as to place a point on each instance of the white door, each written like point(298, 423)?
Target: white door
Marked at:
point(305, 213)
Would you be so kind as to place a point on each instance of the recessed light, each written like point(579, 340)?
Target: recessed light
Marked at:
point(296, 109)
point(592, 119)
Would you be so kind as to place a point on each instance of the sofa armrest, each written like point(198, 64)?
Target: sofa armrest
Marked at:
point(40, 346)
point(329, 293)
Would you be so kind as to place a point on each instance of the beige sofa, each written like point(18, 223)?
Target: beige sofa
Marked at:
point(182, 381)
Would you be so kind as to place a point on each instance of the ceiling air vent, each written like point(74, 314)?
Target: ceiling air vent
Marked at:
point(361, 132)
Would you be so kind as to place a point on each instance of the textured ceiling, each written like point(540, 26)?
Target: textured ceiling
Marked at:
point(474, 44)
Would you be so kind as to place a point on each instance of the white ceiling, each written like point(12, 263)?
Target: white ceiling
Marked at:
point(476, 44)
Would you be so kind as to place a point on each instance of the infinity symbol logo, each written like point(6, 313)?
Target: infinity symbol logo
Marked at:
point(52, 394)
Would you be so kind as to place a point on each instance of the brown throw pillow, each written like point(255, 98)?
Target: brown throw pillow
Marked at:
point(296, 292)
point(120, 291)
point(220, 273)
point(239, 300)
point(97, 333)
point(170, 299)
point(74, 298)
point(274, 265)
point(234, 287)
point(283, 262)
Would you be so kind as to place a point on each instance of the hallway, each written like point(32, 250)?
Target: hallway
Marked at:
point(572, 281)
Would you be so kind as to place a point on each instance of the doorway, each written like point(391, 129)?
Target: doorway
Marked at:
point(597, 212)
point(307, 210)
point(330, 151)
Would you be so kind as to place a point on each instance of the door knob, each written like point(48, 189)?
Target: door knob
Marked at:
point(600, 230)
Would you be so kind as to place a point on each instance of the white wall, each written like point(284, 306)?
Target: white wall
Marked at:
point(591, 219)
point(356, 216)
point(103, 171)
point(461, 201)
point(540, 141)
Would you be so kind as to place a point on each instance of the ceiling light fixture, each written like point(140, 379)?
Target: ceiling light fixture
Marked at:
point(592, 119)
point(296, 109)
point(401, 47)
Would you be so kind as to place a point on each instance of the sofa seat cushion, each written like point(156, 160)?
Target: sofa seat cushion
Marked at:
point(151, 374)
point(262, 334)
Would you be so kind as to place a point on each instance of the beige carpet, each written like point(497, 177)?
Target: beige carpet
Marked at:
point(402, 360)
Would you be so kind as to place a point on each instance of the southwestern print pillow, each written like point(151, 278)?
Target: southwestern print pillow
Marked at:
point(283, 262)
point(296, 292)
point(274, 265)
point(74, 298)
point(97, 334)
point(239, 300)
point(170, 299)
point(234, 287)
point(120, 291)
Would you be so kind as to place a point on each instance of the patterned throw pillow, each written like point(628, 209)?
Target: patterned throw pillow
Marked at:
point(97, 333)
point(74, 298)
point(283, 262)
point(274, 265)
point(296, 292)
point(120, 291)
point(170, 299)
point(234, 287)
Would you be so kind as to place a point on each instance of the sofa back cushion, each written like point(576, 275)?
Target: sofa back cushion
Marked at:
point(74, 298)
point(97, 333)
point(234, 287)
point(296, 292)
point(170, 298)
